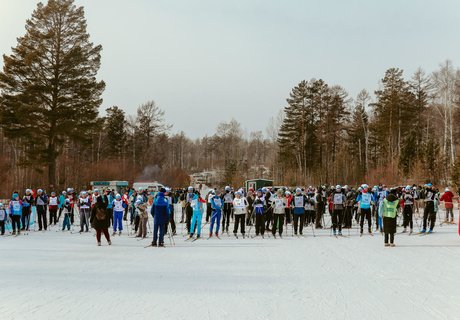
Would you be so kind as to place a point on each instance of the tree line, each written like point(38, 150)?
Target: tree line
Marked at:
point(52, 134)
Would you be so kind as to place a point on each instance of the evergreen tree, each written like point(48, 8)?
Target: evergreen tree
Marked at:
point(49, 90)
point(115, 128)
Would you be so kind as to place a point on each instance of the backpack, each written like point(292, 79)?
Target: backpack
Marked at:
point(100, 214)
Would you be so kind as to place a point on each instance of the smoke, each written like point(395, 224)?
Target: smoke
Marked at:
point(149, 173)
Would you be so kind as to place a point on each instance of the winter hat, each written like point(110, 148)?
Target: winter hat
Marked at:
point(15, 195)
point(298, 190)
point(162, 190)
point(118, 196)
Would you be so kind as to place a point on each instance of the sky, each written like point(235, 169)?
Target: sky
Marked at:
point(208, 61)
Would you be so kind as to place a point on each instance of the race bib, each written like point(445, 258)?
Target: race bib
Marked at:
point(2, 215)
point(366, 198)
point(218, 202)
point(298, 202)
point(338, 199)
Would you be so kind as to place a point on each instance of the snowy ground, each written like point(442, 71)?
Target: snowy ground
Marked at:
point(54, 275)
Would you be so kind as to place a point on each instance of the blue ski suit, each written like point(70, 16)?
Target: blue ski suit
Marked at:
point(216, 205)
point(160, 214)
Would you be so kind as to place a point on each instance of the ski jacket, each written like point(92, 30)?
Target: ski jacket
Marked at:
point(448, 198)
point(160, 209)
point(240, 205)
point(364, 200)
point(216, 203)
point(27, 201)
point(16, 207)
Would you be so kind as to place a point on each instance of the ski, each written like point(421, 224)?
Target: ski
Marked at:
point(195, 239)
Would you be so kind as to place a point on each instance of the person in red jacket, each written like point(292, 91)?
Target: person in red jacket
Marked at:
point(448, 198)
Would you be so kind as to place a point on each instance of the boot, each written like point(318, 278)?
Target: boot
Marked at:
point(99, 243)
point(387, 244)
point(110, 243)
point(392, 245)
point(404, 231)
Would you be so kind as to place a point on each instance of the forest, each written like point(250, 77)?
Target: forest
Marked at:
point(54, 134)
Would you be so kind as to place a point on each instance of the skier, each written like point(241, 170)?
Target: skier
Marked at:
point(188, 208)
point(269, 212)
point(172, 200)
point(429, 211)
point(61, 203)
point(240, 207)
point(250, 216)
point(142, 213)
point(228, 206)
point(382, 193)
point(208, 204)
point(84, 207)
point(216, 204)
point(72, 200)
point(278, 205)
point(299, 202)
point(338, 201)
point(15, 213)
point(448, 198)
point(108, 198)
point(100, 220)
point(259, 208)
point(53, 208)
point(42, 205)
point(408, 210)
point(118, 210)
point(3, 218)
point(320, 203)
point(287, 210)
point(350, 202)
point(389, 213)
point(310, 213)
point(197, 208)
point(364, 199)
point(67, 209)
point(160, 214)
point(27, 203)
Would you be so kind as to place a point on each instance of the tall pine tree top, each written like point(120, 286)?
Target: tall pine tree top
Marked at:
point(49, 90)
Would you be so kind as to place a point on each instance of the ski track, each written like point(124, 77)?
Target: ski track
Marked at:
point(55, 275)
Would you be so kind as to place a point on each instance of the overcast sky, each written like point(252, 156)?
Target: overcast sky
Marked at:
point(207, 61)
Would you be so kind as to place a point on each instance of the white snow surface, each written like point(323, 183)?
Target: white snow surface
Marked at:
point(58, 275)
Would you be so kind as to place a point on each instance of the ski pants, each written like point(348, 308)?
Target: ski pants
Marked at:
point(239, 219)
point(288, 215)
point(142, 232)
point(348, 216)
point(105, 231)
point(366, 213)
point(337, 217)
point(429, 213)
point(449, 212)
point(16, 222)
point(278, 222)
point(227, 212)
point(66, 222)
point(208, 211)
point(41, 212)
point(268, 217)
point(407, 215)
point(215, 219)
point(196, 222)
point(158, 231)
point(310, 217)
point(296, 217)
point(319, 215)
point(391, 236)
point(260, 224)
point(117, 221)
point(188, 216)
point(53, 216)
point(25, 219)
point(2, 227)
point(84, 218)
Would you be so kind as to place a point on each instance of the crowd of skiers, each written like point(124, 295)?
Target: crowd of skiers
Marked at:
point(265, 209)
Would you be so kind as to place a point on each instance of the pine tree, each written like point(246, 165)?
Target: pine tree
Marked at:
point(50, 93)
point(115, 128)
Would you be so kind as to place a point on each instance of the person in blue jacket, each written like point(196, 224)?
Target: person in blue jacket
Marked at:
point(27, 202)
point(298, 203)
point(365, 199)
point(216, 205)
point(197, 209)
point(160, 214)
point(15, 213)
